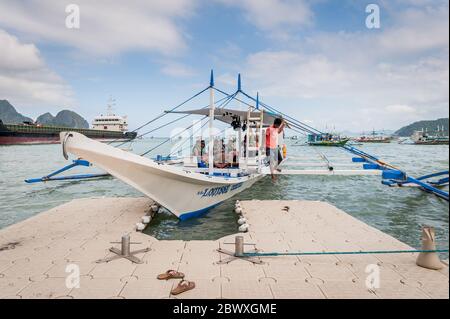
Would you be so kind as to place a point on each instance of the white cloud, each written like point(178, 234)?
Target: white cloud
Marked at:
point(274, 15)
point(227, 79)
point(177, 70)
point(383, 79)
point(400, 109)
point(17, 56)
point(25, 78)
point(416, 30)
point(106, 27)
point(384, 95)
point(293, 74)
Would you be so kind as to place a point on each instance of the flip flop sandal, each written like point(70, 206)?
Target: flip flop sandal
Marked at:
point(171, 274)
point(183, 286)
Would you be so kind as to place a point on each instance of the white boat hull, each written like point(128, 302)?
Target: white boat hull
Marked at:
point(186, 194)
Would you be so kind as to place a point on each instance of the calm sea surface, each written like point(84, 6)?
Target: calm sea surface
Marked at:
point(398, 212)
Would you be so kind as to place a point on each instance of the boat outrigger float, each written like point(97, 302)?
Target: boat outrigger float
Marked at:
point(190, 186)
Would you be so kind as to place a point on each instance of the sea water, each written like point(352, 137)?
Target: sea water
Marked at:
point(400, 212)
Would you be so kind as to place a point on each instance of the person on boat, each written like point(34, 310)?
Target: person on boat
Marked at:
point(231, 153)
point(200, 153)
point(272, 149)
point(219, 154)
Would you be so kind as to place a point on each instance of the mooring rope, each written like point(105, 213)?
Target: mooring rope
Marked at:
point(413, 251)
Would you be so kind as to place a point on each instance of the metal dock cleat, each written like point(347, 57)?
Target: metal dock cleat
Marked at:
point(238, 253)
point(124, 252)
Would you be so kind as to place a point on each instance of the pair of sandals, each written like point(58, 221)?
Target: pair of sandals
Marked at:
point(183, 286)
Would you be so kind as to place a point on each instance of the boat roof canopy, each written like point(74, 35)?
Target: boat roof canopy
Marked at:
point(229, 115)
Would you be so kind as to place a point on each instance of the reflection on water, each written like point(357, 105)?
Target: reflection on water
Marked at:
point(399, 212)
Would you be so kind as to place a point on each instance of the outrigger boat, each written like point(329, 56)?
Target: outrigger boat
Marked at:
point(375, 137)
point(326, 139)
point(187, 190)
point(423, 138)
point(189, 186)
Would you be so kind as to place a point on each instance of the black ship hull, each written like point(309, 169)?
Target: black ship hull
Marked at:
point(13, 134)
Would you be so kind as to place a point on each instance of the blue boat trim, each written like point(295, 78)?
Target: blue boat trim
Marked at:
point(198, 213)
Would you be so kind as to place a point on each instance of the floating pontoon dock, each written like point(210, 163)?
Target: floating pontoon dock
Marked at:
point(40, 257)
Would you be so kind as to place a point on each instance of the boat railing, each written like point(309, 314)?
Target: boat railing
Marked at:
point(242, 166)
point(223, 172)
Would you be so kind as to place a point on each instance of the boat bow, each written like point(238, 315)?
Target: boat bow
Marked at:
point(185, 193)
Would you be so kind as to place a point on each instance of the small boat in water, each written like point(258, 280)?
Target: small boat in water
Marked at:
point(375, 137)
point(423, 138)
point(378, 139)
point(326, 139)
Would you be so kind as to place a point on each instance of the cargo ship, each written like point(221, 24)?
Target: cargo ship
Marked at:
point(109, 127)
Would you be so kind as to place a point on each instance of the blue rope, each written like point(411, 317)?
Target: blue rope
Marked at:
point(301, 126)
point(157, 128)
point(161, 144)
point(233, 95)
point(310, 128)
point(165, 113)
point(190, 136)
point(178, 149)
point(346, 253)
point(162, 126)
point(223, 102)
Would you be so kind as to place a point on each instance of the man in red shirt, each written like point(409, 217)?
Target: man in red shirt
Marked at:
point(272, 150)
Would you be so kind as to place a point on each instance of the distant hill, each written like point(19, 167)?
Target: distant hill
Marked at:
point(8, 114)
point(66, 118)
point(431, 126)
point(45, 118)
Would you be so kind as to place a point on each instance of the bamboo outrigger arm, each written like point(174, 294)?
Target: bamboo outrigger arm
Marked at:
point(75, 163)
point(395, 177)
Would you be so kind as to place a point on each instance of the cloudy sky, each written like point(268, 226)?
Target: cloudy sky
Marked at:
point(315, 59)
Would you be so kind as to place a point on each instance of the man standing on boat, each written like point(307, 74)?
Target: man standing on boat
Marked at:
point(272, 149)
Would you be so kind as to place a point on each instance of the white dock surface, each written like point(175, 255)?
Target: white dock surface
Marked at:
point(34, 255)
